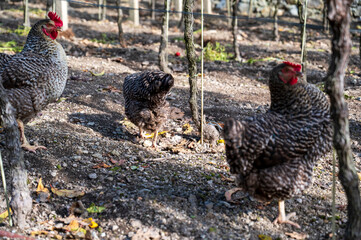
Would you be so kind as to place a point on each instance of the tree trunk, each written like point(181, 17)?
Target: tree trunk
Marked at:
point(191, 56)
point(120, 27)
point(237, 55)
point(26, 14)
point(302, 13)
point(21, 202)
point(275, 26)
point(324, 16)
point(163, 54)
point(339, 17)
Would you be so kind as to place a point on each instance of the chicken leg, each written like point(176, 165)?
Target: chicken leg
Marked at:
point(282, 218)
point(24, 142)
point(154, 142)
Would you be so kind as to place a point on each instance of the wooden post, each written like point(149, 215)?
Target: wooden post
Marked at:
point(178, 7)
point(229, 21)
point(62, 11)
point(208, 6)
point(163, 52)
point(26, 14)
point(237, 54)
point(120, 27)
point(134, 13)
point(100, 2)
point(104, 10)
point(153, 8)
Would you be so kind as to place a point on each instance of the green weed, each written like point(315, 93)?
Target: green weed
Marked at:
point(10, 46)
point(103, 39)
point(95, 209)
point(216, 52)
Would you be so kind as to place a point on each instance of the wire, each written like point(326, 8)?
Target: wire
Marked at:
point(258, 19)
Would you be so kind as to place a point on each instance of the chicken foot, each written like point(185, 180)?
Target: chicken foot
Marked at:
point(282, 217)
point(24, 142)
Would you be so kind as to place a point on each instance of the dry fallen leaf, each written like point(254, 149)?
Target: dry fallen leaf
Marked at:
point(187, 128)
point(229, 193)
point(97, 74)
point(296, 235)
point(111, 89)
point(38, 233)
point(128, 123)
point(4, 215)
point(67, 193)
point(41, 187)
point(101, 165)
point(264, 237)
point(117, 163)
point(359, 175)
point(73, 226)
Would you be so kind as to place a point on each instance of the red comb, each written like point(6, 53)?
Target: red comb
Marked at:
point(56, 19)
point(296, 67)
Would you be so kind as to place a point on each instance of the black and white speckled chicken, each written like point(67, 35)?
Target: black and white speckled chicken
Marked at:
point(37, 75)
point(272, 154)
point(145, 103)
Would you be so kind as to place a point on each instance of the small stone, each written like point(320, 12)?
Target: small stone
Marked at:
point(64, 164)
point(299, 200)
point(91, 123)
point(115, 227)
point(136, 223)
point(76, 158)
point(209, 205)
point(115, 153)
point(97, 155)
point(93, 176)
point(53, 173)
point(145, 63)
point(75, 165)
point(147, 143)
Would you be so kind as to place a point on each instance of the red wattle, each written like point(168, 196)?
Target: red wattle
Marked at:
point(293, 81)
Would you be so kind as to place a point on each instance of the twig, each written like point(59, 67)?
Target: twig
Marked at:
point(5, 190)
point(333, 194)
point(202, 80)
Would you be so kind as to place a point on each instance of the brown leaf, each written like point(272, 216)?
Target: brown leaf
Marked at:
point(117, 163)
point(67, 193)
point(101, 165)
point(229, 193)
point(111, 89)
point(118, 59)
point(41, 187)
point(73, 226)
point(296, 235)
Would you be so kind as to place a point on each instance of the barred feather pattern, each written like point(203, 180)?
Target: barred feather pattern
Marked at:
point(144, 95)
point(37, 75)
point(273, 154)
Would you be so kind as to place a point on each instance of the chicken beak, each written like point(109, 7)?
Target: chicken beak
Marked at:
point(299, 74)
point(58, 29)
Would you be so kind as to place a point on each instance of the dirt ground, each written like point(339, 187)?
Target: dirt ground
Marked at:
point(178, 191)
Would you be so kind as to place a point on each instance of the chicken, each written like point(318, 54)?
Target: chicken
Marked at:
point(37, 75)
point(145, 104)
point(272, 154)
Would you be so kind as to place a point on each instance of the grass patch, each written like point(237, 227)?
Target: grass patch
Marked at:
point(216, 52)
point(103, 39)
point(10, 46)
